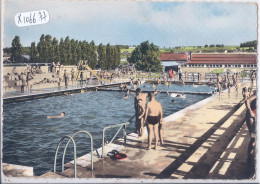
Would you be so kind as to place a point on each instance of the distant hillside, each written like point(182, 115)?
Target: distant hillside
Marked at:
point(211, 48)
point(231, 48)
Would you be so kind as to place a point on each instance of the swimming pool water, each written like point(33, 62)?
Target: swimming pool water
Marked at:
point(30, 138)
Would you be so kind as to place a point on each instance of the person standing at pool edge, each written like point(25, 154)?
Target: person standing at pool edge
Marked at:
point(253, 77)
point(141, 112)
point(153, 116)
point(66, 78)
point(139, 95)
point(219, 84)
point(136, 106)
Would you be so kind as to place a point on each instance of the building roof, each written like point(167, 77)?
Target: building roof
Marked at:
point(174, 57)
point(223, 59)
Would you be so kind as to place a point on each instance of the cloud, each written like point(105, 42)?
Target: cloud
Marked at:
point(130, 22)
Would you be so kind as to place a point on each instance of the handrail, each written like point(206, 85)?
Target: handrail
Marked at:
point(75, 155)
point(121, 125)
point(130, 120)
point(65, 149)
point(71, 138)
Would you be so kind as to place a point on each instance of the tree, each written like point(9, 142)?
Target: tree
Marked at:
point(49, 51)
point(92, 56)
point(74, 52)
point(101, 56)
point(62, 51)
point(118, 56)
point(55, 50)
point(78, 50)
point(33, 53)
point(115, 56)
point(206, 46)
point(146, 57)
point(108, 57)
point(67, 48)
point(42, 49)
point(16, 50)
point(84, 50)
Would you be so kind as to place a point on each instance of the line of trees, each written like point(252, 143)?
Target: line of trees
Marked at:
point(217, 45)
point(68, 52)
point(249, 44)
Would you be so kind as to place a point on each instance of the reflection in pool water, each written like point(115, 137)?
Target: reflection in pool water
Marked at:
point(30, 138)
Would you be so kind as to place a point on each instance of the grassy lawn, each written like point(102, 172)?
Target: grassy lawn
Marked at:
point(123, 62)
point(128, 50)
point(203, 49)
point(156, 75)
point(229, 48)
point(220, 71)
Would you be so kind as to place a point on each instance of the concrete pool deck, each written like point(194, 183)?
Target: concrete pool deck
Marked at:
point(207, 140)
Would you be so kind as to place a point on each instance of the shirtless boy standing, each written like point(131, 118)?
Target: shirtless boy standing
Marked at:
point(141, 112)
point(153, 117)
point(139, 95)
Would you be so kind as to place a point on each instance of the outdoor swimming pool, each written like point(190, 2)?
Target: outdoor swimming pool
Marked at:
point(30, 138)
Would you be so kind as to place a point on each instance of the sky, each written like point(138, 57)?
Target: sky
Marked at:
point(164, 23)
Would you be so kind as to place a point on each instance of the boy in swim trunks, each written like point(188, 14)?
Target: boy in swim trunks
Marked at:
point(153, 116)
point(139, 95)
point(140, 113)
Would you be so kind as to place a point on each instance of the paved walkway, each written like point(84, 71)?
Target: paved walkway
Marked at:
point(205, 141)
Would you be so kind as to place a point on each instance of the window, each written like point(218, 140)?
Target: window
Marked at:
point(225, 65)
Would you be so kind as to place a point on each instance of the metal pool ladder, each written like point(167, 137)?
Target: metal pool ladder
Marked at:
point(121, 125)
point(71, 138)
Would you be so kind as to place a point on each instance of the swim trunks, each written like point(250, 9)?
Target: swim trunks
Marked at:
point(253, 106)
point(153, 120)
